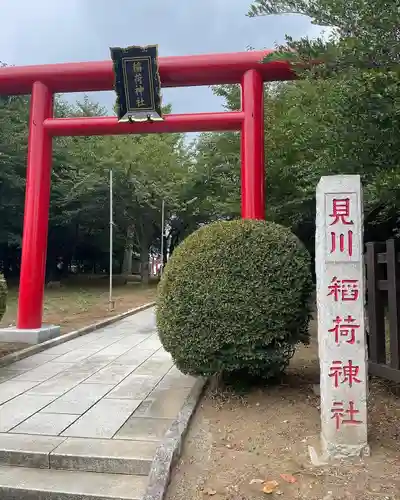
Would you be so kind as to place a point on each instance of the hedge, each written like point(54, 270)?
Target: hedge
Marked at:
point(235, 296)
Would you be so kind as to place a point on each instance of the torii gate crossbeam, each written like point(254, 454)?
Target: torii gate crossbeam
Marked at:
point(245, 68)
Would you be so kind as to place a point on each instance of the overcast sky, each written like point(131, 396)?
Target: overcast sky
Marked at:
point(51, 31)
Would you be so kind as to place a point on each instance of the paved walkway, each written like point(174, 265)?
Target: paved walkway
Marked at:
point(99, 403)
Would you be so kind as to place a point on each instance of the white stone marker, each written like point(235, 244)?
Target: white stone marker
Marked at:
point(341, 330)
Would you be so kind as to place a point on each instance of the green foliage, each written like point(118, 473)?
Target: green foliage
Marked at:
point(13, 139)
point(235, 297)
point(364, 34)
point(341, 117)
point(146, 170)
point(3, 296)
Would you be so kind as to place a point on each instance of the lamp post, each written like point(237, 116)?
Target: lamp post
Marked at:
point(111, 302)
point(162, 235)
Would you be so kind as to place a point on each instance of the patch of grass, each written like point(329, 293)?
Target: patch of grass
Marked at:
point(73, 306)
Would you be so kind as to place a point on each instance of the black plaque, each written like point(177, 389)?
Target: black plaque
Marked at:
point(137, 83)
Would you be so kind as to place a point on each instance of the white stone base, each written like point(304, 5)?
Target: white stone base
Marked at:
point(325, 453)
point(337, 451)
point(34, 336)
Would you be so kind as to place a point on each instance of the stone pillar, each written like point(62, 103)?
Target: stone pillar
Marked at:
point(341, 327)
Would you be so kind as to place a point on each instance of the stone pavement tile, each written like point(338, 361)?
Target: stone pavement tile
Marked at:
point(61, 348)
point(134, 357)
point(18, 483)
point(88, 338)
point(93, 364)
point(97, 335)
point(104, 419)
point(135, 333)
point(154, 367)
point(79, 399)
point(140, 326)
point(176, 373)
point(162, 354)
point(33, 361)
point(134, 387)
point(149, 328)
point(11, 389)
point(132, 340)
point(7, 373)
point(163, 403)
point(60, 384)
point(84, 367)
point(102, 355)
point(70, 345)
point(76, 355)
point(153, 342)
point(144, 429)
point(44, 372)
point(113, 350)
point(111, 335)
point(143, 318)
point(48, 424)
point(129, 324)
point(96, 345)
point(76, 343)
point(121, 335)
point(112, 331)
point(20, 408)
point(176, 380)
point(109, 332)
point(26, 450)
point(111, 374)
point(104, 455)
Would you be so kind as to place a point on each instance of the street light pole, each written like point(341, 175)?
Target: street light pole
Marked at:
point(111, 303)
point(162, 234)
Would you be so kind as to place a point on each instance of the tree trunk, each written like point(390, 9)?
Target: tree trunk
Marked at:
point(5, 257)
point(128, 252)
point(144, 264)
point(165, 256)
point(52, 272)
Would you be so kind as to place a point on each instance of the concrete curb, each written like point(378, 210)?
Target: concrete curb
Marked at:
point(29, 351)
point(170, 449)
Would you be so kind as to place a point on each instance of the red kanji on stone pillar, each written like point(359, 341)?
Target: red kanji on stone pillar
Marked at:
point(342, 374)
point(344, 327)
point(339, 414)
point(343, 290)
point(341, 211)
point(342, 242)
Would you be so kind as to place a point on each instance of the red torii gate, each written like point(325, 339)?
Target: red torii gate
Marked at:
point(43, 81)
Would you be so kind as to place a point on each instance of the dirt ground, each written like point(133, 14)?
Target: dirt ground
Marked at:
point(75, 305)
point(237, 442)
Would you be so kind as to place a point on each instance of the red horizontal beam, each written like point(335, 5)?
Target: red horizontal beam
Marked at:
point(180, 71)
point(200, 122)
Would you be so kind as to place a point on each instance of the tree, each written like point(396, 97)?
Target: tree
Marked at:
point(13, 139)
point(147, 169)
point(346, 107)
point(340, 117)
point(79, 196)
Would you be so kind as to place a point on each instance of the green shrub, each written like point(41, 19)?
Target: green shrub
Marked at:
point(3, 296)
point(235, 297)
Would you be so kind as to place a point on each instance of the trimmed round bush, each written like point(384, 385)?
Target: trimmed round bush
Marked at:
point(3, 296)
point(235, 297)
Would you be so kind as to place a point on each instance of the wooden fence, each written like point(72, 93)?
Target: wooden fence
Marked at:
point(383, 308)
